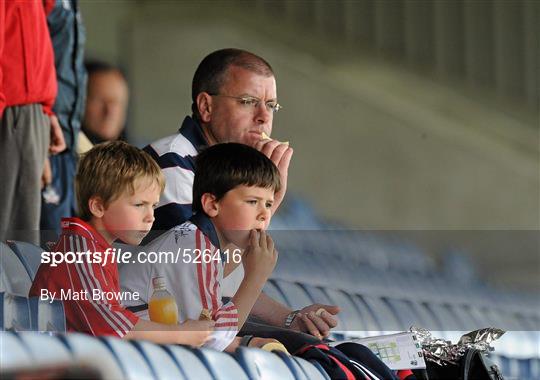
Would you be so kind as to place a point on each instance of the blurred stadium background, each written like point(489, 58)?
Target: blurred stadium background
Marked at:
point(415, 180)
point(404, 115)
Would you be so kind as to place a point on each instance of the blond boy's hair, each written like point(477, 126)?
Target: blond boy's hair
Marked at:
point(110, 169)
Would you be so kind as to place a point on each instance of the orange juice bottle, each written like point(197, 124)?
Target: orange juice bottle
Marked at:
point(162, 307)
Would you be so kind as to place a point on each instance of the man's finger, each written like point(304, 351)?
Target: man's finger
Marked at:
point(285, 160)
point(328, 319)
point(278, 152)
point(311, 328)
point(332, 309)
point(268, 148)
point(320, 323)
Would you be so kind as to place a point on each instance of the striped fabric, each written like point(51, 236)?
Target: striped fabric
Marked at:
point(194, 279)
point(90, 291)
point(175, 156)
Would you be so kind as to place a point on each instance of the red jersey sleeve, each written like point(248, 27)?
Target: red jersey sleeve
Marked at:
point(100, 310)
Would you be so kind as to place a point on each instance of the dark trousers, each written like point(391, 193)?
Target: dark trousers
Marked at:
point(24, 143)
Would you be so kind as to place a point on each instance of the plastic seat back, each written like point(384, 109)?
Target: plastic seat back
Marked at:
point(382, 312)
point(262, 365)
point(349, 314)
point(86, 348)
point(273, 292)
point(222, 366)
point(13, 354)
point(47, 316)
point(312, 371)
point(29, 254)
point(132, 362)
point(45, 349)
point(190, 365)
point(294, 367)
point(15, 277)
point(14, 313)
point(161, 363)
point(296, 296)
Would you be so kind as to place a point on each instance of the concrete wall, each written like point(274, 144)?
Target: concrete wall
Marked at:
point(377, 144)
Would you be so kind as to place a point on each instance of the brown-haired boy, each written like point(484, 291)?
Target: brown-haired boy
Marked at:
point(117, 187)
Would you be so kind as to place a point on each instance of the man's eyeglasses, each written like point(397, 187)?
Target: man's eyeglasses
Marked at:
point(253, 102)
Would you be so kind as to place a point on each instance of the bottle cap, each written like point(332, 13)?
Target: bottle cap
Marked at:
point(158, 282)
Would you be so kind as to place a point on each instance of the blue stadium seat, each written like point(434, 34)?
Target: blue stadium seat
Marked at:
point(313, 371)
point(189, 364)
point(14, 353)
point(47, 316)
point(352, 323)
point(297, 371)
point(29, 254)
point(45, 349)
point(383, 314)
point(406, 315)
point(161, 363)
point(14, 313)
point(371, 327)
point(15, 278)
point(262, 365)
point(428, 319)
point(317, 294)
point(452, 326)
point(272, 291)
point(222, 366)
point(132, 362)
point(90, 349)
point(295, 295)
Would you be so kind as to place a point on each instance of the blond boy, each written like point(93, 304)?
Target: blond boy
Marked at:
point(117, 188)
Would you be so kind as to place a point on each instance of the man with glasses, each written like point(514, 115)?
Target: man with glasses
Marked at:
point(234, 100)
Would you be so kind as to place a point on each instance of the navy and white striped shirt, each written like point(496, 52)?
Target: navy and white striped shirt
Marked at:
point(175, 156)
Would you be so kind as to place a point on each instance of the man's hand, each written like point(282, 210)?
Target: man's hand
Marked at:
point(260, 256)
point(316, 319)
point(280, 154)
point(57, 144)
point(46, 177)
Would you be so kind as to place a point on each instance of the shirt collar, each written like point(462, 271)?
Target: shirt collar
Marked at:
point(203, 223)
point(192, 131)
point(81, 227)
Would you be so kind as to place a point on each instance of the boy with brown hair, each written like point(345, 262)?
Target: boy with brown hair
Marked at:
point(117, 187)
point(233, 194)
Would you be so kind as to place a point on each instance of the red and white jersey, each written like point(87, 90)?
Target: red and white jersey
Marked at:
point(193, 280)
point(89, 290)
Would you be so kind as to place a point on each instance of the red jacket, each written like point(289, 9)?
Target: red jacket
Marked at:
point(27, 73)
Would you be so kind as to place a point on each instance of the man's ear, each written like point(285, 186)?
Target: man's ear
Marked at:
point(96, 206)
point(210, 205)
point(204, 105)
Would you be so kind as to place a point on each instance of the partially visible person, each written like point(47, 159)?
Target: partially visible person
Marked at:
point(234, 99)
point(117, 187)
point(233, 194)
point(68, 35)
point(106, 103)
point(28, 128)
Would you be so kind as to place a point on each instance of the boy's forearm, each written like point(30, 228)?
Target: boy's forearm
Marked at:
point(157, 333)
point(270, 310)
point(246, 296)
